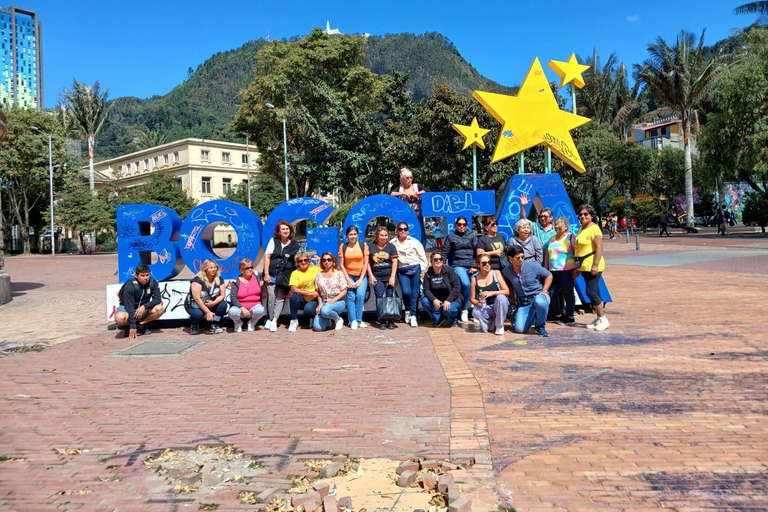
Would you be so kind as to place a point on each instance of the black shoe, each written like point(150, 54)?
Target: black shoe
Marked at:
point(382, 325)
point(193, 329)
point(144, 329)
point(567, 320)
point(391, 325)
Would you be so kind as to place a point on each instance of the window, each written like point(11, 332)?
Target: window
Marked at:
point(205, 155)
point(225, 158)
point(165, 159)
point(146, 164)
point(226, 185)
point(155, 161)
point(206, 186)
point(136, 167)
point(245, 159)
point(175, 157)
point(119, 169)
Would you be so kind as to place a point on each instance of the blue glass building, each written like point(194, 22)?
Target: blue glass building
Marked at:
point(21, 59)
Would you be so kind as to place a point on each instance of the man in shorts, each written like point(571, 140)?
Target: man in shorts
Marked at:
point(139, 303)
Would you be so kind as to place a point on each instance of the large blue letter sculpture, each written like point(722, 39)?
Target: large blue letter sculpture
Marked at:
point(382, 205)
point(295, 210)
point(544, 190)
point(454, 204)
point(137, 240)
point(197, 229)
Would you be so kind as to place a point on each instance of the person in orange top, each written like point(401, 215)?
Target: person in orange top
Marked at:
point(353, 261)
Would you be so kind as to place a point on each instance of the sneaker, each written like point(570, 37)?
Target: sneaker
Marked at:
point(391, 325)
point(602, 323)
point(476, 320)
point(414, 322)
point(251, 325)
point(144, 329)
point(499, 331)
point(273, 326)
point(542, 332)
point(353, 325)
point(193, 329)
point(593, 324)
point(407, 318)
point(292, 326)
point(362, 324)
point(382, 325)
point(215, 329)
point(464, 315)
point(339, 324)
point(268, 324)
point(238, 326)
point(567, 320)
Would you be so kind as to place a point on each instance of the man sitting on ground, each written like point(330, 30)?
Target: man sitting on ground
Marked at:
point(139, 303)
point(530, 283)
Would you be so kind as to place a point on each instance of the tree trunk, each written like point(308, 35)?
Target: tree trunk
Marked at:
point(689, 221)
point(91, 144)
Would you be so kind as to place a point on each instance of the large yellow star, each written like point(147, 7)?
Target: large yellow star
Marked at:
point(531, 118)
point(569, 71)
point(472, 134)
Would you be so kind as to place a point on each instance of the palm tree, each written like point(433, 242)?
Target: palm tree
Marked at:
point(88, 110)
point(752, 8)
point(681, 79)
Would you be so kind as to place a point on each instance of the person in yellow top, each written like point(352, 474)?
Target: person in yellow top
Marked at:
point(303, 293)
point(589, 250)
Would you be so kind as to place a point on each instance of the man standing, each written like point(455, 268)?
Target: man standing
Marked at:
point(530, 283)
point(544, 230)
point(139, 303)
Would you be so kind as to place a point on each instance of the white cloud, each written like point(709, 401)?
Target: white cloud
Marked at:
point(633, 18)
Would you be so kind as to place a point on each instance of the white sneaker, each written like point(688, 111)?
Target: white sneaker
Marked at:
point(339, 324)
point(362, 324)
point(464, 315)
point(251, 325)
point(414, 322)
point(593, 324)
point(238, 326)
point(602, 323)
point(407, 318)
point(273, 326)
point(268, 324)
point(292, 326)
point(353, 325)
point(499, 331)
point(476, 321)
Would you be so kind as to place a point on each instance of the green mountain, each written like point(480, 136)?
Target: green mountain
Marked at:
point(204, 105)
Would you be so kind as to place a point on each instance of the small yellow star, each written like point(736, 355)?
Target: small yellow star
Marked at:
point(472, 134)
point(569, 71)
point(532, 118)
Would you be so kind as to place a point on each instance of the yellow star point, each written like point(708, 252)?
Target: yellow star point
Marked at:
point(532, 118)
point(569, 71)
point(472, 134)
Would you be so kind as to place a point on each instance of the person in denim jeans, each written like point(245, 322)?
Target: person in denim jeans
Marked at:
point(441, 292)
point(459, 249)
point(382, 268)
point(353, 262)
point(331, 288)
point(206, 291)
point(530, 284)
point(412, 263)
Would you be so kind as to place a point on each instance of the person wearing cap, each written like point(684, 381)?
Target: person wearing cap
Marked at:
point(530, 284)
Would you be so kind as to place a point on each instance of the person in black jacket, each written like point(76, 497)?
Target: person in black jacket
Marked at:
point(139, 303)
point(460, 247)
point(279, 263)
point(442, 289)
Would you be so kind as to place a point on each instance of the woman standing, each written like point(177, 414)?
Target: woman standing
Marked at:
point(488, 293)
point(530, 244)
point(492, 243)
point(589, 248)
point(437, 231)
point(382, 268)
point(409, 191)
point(559, 260)
point(303, 293)
point(353, 260)
point(459, 248)
point(442, 290)
point(206, 298)
point(412, 263)
point(279, 262)
point(245, 297)
point(331, 287)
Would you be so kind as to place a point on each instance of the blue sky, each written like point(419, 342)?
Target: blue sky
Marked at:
point(144, 48)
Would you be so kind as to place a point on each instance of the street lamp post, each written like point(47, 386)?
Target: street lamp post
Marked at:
point(285, 149)
point(248, 163)
point(50, 185)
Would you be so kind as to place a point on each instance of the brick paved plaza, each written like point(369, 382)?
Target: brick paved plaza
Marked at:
point(667, 409)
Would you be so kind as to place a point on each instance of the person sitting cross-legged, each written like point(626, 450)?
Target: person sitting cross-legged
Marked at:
point(530, 284)
point(442, 290)
point(488, 293)
point(139, 303)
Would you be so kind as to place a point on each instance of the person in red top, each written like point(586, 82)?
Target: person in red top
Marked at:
point(245, 297)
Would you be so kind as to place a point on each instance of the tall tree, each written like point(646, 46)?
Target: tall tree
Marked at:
point(752, 8)
point(88, 110)
point(681, 78)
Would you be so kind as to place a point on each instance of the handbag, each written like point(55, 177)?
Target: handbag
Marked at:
point(578, 260)
point(283, 276)
point(389, 308)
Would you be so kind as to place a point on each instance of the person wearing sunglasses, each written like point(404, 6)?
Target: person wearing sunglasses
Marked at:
point(442, 289)
point(530, 283)
point(409, 191)
point(589, 250)
point(459, 249)
point(544, 230)
point(353, 261)
point(488, 293)
point(205, 300)
point(382, 268)
point(245, 297)
point(331, 287)
point(411, 266)
point(303, 292)
point(492, 243)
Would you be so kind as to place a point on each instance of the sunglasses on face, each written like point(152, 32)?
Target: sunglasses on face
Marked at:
point(326, 260)
point(461, 224)
point(247, 268)
point(484, 263)
point(302, 260)
point(402, 229)
point(437, 260)
point(493, 224)
point(584, 214)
